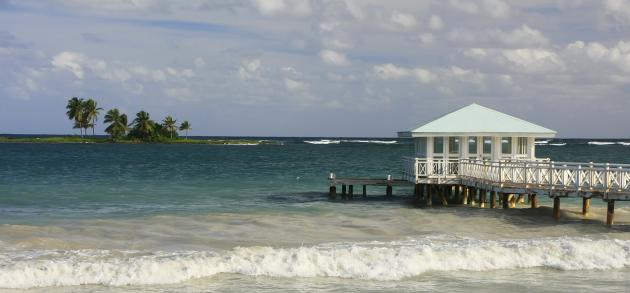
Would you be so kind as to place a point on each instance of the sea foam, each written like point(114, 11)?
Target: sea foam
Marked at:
point(371, 260)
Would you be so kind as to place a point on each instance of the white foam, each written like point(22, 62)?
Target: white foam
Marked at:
point(374, 261)
point(371, 141)
point(600, 143)
point(541, 142)
point(323, 141)
point(624, 143)
point(558, 144)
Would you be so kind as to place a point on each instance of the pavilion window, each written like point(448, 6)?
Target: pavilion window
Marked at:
point(453, 145)
point(487, 145)
point(522, 146)
point(438, 145)
point(506, 145)
point(472, 145)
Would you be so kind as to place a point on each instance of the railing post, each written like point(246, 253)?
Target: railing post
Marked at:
point(415, 166)
point(606, 183)
point(578, 185)
point(551, 180)
point(500, 175)
point(621, 178)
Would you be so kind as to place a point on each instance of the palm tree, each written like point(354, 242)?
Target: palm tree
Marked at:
point(143, 124)
point(118, 126)
point(185, 126)
point(91, 113)
point(75, 112)
point(170, 125)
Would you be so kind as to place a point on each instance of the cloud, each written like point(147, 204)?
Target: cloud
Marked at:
point(331, 57)
point(436, 23)
point(617, 56)
point(76, 62)
point(493, 8)
point(390, 71)
point(294, 85)
point(618, 10)
point(249, 69)
point(299, 8)
point(403, 20)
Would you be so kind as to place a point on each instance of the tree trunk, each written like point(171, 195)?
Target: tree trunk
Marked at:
point(186, 134)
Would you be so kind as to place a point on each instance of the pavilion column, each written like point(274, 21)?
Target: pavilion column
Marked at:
point(556, 208)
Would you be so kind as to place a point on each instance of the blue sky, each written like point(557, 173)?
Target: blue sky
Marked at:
point(317, 68)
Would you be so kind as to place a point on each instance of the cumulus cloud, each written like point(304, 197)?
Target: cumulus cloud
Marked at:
point(436, 23)
point(618, 10)
point(294, 85)
point(249, 69)
point(617, 56)
point(299, 8)
point(331, 57)
point(403, 20)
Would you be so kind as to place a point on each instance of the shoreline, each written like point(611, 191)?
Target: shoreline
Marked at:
point(92, 140)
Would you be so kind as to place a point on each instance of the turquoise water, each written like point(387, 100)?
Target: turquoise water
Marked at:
point(227, 218)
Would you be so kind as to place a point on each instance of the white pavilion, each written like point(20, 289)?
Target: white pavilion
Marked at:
point(471, 133)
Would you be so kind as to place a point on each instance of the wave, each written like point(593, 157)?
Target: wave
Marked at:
point(541, 142)
point(323, 141)
point(329, 141)
point(558, 144)
point(624, 143)
point(600, 143)
point(369, 260)
point(371, 141)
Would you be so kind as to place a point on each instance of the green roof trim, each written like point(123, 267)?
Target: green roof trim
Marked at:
point(478, 120)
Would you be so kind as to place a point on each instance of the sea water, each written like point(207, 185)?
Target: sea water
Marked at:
point(221, 218)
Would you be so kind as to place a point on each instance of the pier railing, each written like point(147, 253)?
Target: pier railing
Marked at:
point(540, 174)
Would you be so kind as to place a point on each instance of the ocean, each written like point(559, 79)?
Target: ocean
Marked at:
point(239, 218)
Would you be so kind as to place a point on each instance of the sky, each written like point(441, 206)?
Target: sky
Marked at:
point(317, 68)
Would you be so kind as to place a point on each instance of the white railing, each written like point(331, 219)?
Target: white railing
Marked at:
point(538, 174)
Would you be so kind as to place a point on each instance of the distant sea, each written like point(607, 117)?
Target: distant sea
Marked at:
point(221, 218)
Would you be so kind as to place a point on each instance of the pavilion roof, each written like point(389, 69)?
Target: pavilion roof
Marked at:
point(477, 120)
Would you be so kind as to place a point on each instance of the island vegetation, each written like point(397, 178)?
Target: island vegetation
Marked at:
point(84, 114)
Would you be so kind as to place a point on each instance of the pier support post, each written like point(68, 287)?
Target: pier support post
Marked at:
point(417, 190)
point(429, 195)
point(350, 191)
point(533, 200)
point(364, 190)
point(332, 192)
point(482, 198)
point(493, 199)
point(556, 208)
point(444, 194)
point(343, 190)
point(586, 205)
point(473, 196)
point(521, 199)
point(465, 196)
point(388, 190)
point(610, 214)
point(505, 200)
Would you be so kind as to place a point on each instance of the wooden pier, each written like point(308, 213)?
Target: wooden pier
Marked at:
point(347, 185)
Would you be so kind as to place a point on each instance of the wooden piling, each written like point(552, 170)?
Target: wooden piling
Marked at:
point(533, 200)
point(364, 190)
point(482, 198)
point(465, 196)
point(610, 214)
point(444, 194)
point(332, 192)
point(493, 199)
point(472, 196)
point(556, 208)
point(343, 191)
point(388, 190)
point(521, 199)
point(586, 205)
point(350, 191)
point(429, 195)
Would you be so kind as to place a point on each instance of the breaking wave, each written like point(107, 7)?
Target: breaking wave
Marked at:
point(601, 143)
point(368, 260)
point(329, 141)
point(323, 141)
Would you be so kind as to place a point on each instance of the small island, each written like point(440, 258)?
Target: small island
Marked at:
point(84, 115)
